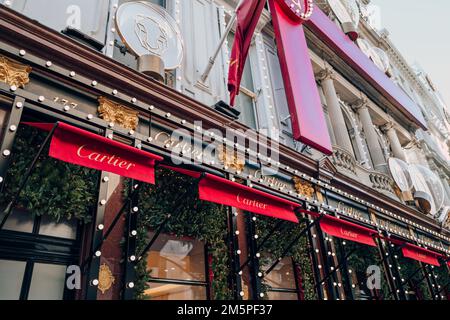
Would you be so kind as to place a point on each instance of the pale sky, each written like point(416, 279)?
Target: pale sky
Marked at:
point(420, 29)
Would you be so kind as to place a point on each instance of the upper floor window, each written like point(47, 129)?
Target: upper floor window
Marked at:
point(84, 19)
point(246, 100)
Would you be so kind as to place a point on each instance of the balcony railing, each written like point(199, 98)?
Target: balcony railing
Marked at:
point(377, 180)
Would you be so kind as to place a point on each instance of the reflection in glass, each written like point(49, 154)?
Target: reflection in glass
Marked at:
point(274, 295)
point(416, 285)
point(360, 266)
point(90, 17)
point(11, 276)
point(169, 291)
point(47, 282)
point(282, 276)
point(176, 258)
point(64, 229)
point(20, 221)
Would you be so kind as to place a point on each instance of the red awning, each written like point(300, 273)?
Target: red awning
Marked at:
point(87, 149)
point(421, 254)
point(222, 191)
point(347, 230)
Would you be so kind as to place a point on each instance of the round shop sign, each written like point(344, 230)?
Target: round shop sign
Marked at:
point(148, 29)
point(297, 10)
point(400, 173)
point(426, 181)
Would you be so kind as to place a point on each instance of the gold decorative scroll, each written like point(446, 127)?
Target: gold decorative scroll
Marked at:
point(118, 114)
point(303, 187)
point(230, 158)
point(14, 73)
point(105, 278)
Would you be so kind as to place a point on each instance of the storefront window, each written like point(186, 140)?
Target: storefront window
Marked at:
point(176, 268)
point(358, 271)
point(281, 281)
point(415, 283)
point(442, 281)
point(11, 275)
point(42, 235)
point(171, 291)
point(176, 258)
point(20, 221)
point(47, 282)
point(281, 295)
point(66, 229)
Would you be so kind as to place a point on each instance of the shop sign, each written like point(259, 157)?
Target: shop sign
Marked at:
point(305, 108)
point(422, 179)
point(148, 29)
point(198, 151)
point(428, 239)
point(348, 209)
point(393, 227)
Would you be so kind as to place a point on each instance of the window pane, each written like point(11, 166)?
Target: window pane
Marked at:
point(47, 282)
point(11, 276)
point(86, 15)
point(272, 295)
point(162, 3)
point(244, 104)
point(282, 276)
point(63, 229)
point(20, 221)
point(161, 291)
point(176, 258)
point(247, 79)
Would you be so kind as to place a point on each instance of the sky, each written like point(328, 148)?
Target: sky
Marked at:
point(420, 29)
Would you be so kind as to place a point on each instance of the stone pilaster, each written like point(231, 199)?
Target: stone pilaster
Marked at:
point(396, 147)
point(334, 109)
point(376, 152)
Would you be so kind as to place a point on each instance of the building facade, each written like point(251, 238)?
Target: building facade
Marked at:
point(372, 217)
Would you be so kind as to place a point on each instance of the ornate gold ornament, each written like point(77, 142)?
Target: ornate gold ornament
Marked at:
point(230, 158)
point(105, 278)
point(118, 114)
point(304, 188)
point(14, 73)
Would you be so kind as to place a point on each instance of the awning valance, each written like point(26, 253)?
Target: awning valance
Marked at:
point(222, 191)
point(421, 254)
point(349, 231)
point(77, 146)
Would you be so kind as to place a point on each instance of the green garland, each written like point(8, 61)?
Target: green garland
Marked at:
point(177, 195)
point(55, 188)
point(277, 243)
